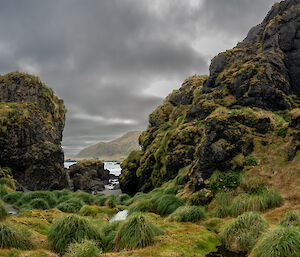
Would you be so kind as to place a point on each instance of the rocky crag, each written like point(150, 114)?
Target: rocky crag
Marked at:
point(248, 105)
point(32, 119)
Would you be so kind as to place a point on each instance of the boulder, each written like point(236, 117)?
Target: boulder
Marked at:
point(88, 176)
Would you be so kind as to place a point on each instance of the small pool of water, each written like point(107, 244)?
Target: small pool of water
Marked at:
point(121, 215)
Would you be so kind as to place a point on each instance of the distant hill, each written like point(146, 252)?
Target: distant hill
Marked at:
point(117, 149)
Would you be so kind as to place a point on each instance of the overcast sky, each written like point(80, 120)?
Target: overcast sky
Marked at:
point(113, 61)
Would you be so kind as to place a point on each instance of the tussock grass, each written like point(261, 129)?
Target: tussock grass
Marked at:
point(3, 191)
point(39, 203)
point(221, 211)
point(70, 229)
point(278, 242)
point(85, 197)
point(110, 231)
point(48, 196)
point(250, 184)
point(168, 203)
point(261, 202)
point(11, 236)
point(122, 199)
point(242, 233)
point(88, 210)
point(100, 200)
point(188, 213)
point(72, 205)
point(8, 182)
point(60, 193)
point(291, 218)
point(86, 248)
point(136, 232)
point(3, 210)
point(13, 197)
point(140, 206)
point(111, 202)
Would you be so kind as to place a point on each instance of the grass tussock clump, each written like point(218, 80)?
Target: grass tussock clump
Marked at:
point(3, 191)
point(85, 197)
point(242, 233)
point(168, 204)
point(291, 218)
point(280, 241)
point(3, 211)
point(122, 199)
point(86, 248)
point(187, 213)
point(9, 182)
point(70, 229)
point(140, 206)
point(136, 232)
point(12, 237)
point(72, 205)
point(46, 195)
point(110, 231)
point(40, 204)
point(88, 210)
point(13, 197)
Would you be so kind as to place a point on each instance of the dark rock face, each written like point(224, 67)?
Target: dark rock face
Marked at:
point(214, 123)
point(88, 176)
point(263, 70)
point(31, 123)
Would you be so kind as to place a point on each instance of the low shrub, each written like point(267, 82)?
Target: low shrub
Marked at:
point(140, 206)
point(242, 233)
point(168, 203)
point(280, 241)
point(71, 206)
point(39, 203)
point(3, 210)
point(136, 232)
point(86, 248)
point(12, 237)
point(291, 218)
point(13, 197)
point(70, 229)
point(224, 181)
point(46, 195)
point(88, 210)
point(250, 161)
point(188, 213)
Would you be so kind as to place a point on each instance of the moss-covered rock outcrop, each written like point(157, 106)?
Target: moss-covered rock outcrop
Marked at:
point(214, 122)
point(32, 119)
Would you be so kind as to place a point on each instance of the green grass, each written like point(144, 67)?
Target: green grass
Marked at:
point(242, 233)
point(136, 232)
point(291, 218)
point(86, 248)
point(12, 237)
point(168, 203)
point(140, 206)
point(110, 231)
point(72, 205)
point(39, 203)
point(278, 242)
point(85, 197)
point(8, 182)
point(70, 229)
point(3, 210)
point(88, 210)
point(188, 213)
point(3, 191)
point(48, 196)
point(13, 197)
point(122, 199)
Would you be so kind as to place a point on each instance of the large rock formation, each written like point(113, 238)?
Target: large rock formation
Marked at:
point(88, 176)
point(213, 123)
point(32, 119)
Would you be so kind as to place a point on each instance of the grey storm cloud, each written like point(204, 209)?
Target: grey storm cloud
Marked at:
point(113, 61)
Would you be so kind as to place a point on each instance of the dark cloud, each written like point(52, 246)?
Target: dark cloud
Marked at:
point(114, 61)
